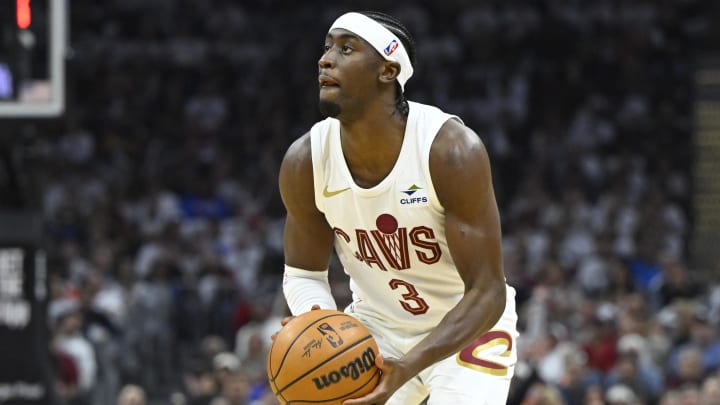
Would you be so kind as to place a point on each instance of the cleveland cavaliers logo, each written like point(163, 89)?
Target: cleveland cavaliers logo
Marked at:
point(393, 246)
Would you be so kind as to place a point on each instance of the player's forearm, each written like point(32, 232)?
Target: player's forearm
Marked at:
point(474, 314)
point(304, 288)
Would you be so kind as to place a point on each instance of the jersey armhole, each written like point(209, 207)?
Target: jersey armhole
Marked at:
point(317, 165)
point(434, 200)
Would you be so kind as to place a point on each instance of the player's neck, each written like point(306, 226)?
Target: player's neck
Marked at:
point(371, 145)
point(379, 122)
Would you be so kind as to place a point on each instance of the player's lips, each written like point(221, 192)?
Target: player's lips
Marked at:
point(326, 81)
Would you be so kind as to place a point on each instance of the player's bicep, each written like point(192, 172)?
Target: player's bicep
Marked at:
point(475, 245)
point(307, 241)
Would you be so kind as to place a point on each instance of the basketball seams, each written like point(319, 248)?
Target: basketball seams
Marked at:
point(329, 359)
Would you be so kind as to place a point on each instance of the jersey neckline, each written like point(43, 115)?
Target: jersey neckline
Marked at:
point(386, 182)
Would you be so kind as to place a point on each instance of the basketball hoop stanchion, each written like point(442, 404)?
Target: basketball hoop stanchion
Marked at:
point(25, 371)
point(30, 95)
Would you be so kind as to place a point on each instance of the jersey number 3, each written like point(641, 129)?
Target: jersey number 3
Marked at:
point(411, 301)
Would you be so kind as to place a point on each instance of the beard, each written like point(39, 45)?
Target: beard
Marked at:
point(329, 108)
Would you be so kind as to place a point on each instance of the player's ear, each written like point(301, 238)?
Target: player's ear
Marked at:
point(389, 72)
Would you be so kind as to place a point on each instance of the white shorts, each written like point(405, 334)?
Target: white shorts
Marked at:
point(478, 375)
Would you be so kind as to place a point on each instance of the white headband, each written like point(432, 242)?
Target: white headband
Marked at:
point(384, 41)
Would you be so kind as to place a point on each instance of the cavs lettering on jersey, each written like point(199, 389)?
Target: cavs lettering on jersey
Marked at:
point(390, 238)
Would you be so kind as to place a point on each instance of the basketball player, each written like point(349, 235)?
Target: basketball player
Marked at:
point(402, 191)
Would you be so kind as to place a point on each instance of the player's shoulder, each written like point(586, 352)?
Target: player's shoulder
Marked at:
point(297, 161)
point(450, 126)
point(459, 165)
point(299, 150)
point(456, 142)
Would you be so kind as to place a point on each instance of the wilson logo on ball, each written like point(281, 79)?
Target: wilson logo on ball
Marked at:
point(352, 370)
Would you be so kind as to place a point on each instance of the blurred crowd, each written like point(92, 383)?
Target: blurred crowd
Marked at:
point(164, 224)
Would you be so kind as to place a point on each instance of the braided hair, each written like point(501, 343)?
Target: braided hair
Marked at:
point(400, 31)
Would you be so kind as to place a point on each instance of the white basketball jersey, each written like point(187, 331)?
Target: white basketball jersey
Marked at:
point(390, 238)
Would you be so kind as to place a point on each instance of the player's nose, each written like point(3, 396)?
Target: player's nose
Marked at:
point(326, 61)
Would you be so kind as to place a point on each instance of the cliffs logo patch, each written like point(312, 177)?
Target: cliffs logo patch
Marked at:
point(392, 46)
point(330, 334)
point(413, 197)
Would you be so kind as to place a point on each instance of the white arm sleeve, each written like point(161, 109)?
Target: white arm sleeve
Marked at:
point(305, 288)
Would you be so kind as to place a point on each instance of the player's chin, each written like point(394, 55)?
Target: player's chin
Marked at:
point(329, 93)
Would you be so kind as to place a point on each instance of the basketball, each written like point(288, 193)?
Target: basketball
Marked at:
point(322, 357)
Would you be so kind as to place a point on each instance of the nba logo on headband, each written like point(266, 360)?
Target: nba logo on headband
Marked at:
point(392, 46)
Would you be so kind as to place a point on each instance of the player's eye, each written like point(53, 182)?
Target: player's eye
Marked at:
point(346, 49)
point(326, 47)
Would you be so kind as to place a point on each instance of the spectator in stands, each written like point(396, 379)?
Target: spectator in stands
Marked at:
point(69, 339)
point(703, 339)
point(710, 394)
point(132, 395)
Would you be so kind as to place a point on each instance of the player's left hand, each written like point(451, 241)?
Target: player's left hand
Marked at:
point(392, 378)
point(287, 319)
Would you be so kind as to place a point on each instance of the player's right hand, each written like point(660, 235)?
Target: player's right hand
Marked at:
point(392, 377)
point(287, 319)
